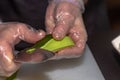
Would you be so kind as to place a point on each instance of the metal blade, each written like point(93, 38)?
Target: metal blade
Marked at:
point(37, 56)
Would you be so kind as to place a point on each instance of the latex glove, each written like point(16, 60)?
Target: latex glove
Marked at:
point(65, 18)
point(12, 33)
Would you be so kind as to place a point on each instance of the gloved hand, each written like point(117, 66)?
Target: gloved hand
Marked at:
point(10, 34)
point(64, 17)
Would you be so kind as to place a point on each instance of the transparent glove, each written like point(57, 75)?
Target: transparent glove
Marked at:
point(12, 33)
point(65, 18)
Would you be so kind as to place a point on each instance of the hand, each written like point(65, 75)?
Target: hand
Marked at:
point(63, 19)
point(10, 34)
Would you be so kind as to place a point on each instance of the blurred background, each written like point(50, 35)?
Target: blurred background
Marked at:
point(113, 7)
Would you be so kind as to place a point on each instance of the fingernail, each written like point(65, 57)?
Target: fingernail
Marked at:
point(41, 33)
point(57, 35)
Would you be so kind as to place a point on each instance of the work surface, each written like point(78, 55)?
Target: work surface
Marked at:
point(83, 68)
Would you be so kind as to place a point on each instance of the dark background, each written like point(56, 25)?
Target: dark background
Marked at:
point(102, 18)
point(113, 8)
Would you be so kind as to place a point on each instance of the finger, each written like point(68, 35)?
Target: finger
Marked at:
point(71, 52)
point(29, 34)
point(79, 36)
point(49, 18)
point(78, 32)
point(6, 60)
point(64, 21)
